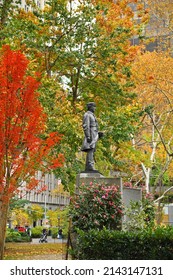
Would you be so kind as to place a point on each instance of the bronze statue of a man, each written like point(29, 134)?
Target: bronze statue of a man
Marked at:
point(90, 127)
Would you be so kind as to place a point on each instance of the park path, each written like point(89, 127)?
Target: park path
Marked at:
point(54, 249)
point(50, 256)
point(49, 239)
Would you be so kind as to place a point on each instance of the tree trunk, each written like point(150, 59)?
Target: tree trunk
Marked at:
point(146, 172)
point(159, 213)
point(6, 4)
point(3, 224)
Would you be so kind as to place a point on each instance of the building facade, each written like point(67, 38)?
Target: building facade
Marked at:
point(49, 193)
point(24, 5)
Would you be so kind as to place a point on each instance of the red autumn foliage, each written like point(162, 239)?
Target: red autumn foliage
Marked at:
point(22, 121)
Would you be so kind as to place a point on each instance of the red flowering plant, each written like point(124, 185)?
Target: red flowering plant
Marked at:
point(96, 207)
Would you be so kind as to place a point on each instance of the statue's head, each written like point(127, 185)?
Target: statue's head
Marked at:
point(91, 106)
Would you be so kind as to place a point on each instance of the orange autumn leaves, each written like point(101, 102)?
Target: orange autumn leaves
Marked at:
point(152, 143)
point(26, 251)
point(153, 77)
point(22, 123)
point(119, 21)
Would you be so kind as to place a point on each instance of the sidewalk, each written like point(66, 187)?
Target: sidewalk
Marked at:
point(49, 240)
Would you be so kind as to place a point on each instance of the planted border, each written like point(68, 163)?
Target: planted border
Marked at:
point(120, 245)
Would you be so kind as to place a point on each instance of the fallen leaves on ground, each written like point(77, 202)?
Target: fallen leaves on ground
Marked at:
point(23, 251)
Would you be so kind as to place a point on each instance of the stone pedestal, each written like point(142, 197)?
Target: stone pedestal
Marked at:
point(128, 194)
point(96, 177)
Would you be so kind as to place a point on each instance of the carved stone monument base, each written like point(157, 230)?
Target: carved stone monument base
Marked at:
point(127, 194)
point(95, 177)
point(88, 172)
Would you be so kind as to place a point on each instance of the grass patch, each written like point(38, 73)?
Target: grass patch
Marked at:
point(26, 251)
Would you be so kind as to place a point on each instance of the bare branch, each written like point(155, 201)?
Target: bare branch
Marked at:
point(163, 195)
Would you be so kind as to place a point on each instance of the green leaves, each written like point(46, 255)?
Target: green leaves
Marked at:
point(82, 52)
point(107, 245)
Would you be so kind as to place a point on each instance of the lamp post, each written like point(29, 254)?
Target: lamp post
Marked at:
point(45, 207)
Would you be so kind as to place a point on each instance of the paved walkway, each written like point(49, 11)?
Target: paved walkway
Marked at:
point(49, 240)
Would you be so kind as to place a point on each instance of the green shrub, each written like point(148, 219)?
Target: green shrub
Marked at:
point(120, 245)
point(12, 235)
point(15, 236)
point(36, 232)
point(54, 232)
point(140, 215)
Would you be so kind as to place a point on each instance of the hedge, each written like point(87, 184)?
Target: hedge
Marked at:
point(120, 245)
point(14, 236)
point(36, 232)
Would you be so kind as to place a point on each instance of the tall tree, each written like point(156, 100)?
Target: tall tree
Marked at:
point(160, 26)
point(24, 145)
point(5, 8)
point(83, 51)
point(153, 78)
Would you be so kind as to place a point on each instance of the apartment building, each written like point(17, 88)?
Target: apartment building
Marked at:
point(158, 31)
point(49, 193)
point(27, 7)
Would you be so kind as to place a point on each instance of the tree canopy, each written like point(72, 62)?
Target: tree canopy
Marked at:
point(25, 145)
